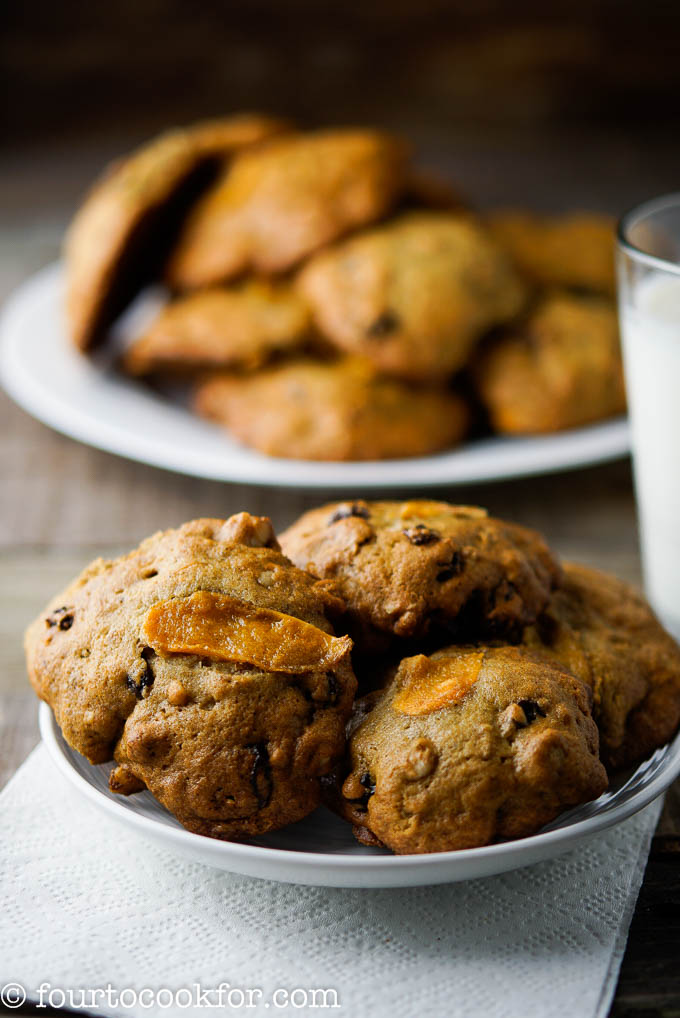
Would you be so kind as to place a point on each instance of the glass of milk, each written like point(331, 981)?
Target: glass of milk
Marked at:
point(648, 260)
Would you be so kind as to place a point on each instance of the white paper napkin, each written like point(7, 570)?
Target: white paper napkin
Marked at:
point(88, 905)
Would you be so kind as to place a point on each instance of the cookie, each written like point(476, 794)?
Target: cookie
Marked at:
point(230, 327)
point(413, 295)
point(408, 570)
point(203, 662)
point(559, 368)
point(575, 250)
point(470, 746)
point(276, 205)
point(118, 238)
point(333, 410)
point(604, 631)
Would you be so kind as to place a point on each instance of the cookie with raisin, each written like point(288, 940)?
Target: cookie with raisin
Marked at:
point(413, 295)
point(604, 631)
point(342, 409)
point(410, 570)
point(469, 746)
point(204, 664)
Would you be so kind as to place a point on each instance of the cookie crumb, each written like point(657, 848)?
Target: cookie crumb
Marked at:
point(123, 782)
point(421, 760)
point(177, 694)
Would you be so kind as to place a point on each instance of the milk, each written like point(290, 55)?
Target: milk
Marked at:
point(651, 346)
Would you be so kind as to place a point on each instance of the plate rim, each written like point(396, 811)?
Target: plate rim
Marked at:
point(562, 451)
point(558, 839)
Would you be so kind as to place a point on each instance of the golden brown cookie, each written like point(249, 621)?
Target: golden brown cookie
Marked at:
point(204, 663)
point(559, 368)
point(117, 239)
point(226, 327)
point(413, 295)
point(275, 206)
point(470, 746)
point(574, 250)
point(333, 410)
point(604, 631)
point(409, 569)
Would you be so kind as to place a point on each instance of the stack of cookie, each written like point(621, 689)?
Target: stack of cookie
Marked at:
point(497, 688)
point(329, 302)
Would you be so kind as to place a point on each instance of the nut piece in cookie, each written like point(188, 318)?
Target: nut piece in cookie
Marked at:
point(118, 238)
point(276, 205)
point(231, 327)
point(604, 631)
point(204, 664)
point(559, 368)
point(575, 250)
point(413, 295)
point(409, 569)
point(470, 746)
point(333, 410)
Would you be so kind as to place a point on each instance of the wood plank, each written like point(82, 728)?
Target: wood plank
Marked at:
point(649, 983)
point(18, 731)
point(57, 493)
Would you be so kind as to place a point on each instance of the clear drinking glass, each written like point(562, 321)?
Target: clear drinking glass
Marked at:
point(649, 308)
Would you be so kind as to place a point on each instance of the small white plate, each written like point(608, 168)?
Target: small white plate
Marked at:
point(321, 850)
point(89, 400)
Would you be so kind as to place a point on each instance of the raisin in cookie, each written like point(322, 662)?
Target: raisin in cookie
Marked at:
point(469, 746)
point(118, 237)
point(413, 295)
point(559, 368)
point(605, 632)
point(574, 250)
point(228, 327)
point(333, 410)
point(204, 664)
point(406, 569)
point(275, 206)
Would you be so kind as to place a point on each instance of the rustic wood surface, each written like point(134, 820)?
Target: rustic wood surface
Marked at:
point(62, 503)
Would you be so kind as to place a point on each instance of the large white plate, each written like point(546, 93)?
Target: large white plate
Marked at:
point(87, 399)
point(321, 849)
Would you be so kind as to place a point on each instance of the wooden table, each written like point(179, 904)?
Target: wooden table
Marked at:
point(62, 503)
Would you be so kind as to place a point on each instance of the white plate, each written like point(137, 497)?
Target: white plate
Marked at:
point(88, 400)
point(321, 849)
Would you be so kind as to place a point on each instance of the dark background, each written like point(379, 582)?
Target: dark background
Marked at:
point(551, 103)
